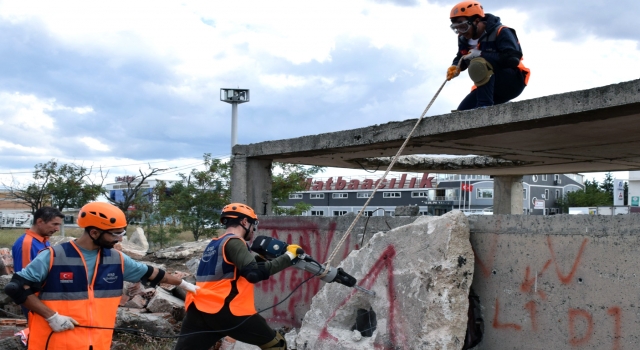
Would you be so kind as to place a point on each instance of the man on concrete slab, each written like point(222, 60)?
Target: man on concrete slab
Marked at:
point(224, 305)
point(79, 284)
point(490, 52)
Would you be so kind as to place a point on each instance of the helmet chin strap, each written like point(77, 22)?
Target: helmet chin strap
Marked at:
point(246, 231)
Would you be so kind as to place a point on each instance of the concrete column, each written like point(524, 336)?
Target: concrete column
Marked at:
point(251, 183)
point(507, 194)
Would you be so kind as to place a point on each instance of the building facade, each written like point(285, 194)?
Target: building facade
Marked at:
point(434, 194)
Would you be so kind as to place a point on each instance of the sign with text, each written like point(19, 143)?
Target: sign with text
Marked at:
point(618, 192)
point(369, 184)
point(635, 201)
point(539, 204)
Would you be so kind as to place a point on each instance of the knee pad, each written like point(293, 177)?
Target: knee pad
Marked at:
point(278, 343)
point(480, 71)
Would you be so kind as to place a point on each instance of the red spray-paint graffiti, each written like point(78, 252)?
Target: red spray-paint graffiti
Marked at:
point(394, 328)
point(566, 279)
point(499, 325)
point(573, 316)
point(316, 242)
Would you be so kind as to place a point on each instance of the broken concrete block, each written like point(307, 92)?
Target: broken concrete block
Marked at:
point(133, 289)
point(192, 265)
point(6, 262)
point(149, 323)
point(123, 299)
point(164, 302)
point(135, 244)
point(137, 302)
point(184, 250)
point(421, 274)
point(407, 210)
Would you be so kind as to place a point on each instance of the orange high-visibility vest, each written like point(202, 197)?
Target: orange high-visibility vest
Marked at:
point(218, 278)
point(67, 291)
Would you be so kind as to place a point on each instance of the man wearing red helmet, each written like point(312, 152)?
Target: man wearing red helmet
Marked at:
point(80, 283)
point(224, 305)
point(490, 52)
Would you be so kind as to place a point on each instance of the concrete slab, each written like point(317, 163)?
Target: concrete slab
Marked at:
point(581, 131)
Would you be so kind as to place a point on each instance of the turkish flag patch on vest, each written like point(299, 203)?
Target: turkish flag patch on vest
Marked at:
point(66, 277)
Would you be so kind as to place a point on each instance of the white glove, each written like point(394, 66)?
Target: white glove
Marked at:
point(192, 288)
point(473, 53)
point(61, 323)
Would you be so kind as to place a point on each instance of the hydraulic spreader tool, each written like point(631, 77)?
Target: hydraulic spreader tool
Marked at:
point(271, 248)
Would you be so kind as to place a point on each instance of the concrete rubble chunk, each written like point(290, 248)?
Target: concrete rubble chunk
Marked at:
point(421, 274)
point(164, 302)
point(137, 302)
point(6, 262)
point(135, 245)
point(407, 210)
point(149, 323)
point(184, 250)
point(133, 289)
point(192, 265)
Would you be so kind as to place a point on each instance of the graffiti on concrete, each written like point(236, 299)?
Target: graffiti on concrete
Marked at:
point(580, 322)
point(317, 242)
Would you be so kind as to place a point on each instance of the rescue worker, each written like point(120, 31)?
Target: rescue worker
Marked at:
point(79, 284)
point(46, 222)
point(490, 52)
point(225, 300)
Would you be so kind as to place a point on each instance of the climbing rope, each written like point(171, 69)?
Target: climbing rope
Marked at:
point(393, 161)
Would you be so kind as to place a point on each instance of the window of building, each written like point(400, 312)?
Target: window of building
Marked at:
point(364, 194)
point(339, 212)
point(368, 213)
point(546, 194)
point(317, 213)
point(557, 194)
point(534, 178)
point(295, 196)
point(544, 177)
point(340, 195)
point(556, 177)
point(389, 213)
point(426, 213)
point(524, 193)
point(484, 193)
point(391, 195)
point(316, 196)
point(420, 194)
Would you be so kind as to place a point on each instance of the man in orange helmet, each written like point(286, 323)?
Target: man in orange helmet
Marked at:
point(80, 283)
point(227, 271)
point(492, 54)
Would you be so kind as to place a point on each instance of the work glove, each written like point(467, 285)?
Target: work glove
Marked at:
point(473, 53)
point(191, 288)
point(292, 251)
point(453, 72)
point(59, 323)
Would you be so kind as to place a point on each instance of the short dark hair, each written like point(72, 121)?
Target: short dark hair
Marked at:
point(47, 214)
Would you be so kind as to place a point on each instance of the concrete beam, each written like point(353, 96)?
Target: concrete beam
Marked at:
point(507, 195)
point(581, 131)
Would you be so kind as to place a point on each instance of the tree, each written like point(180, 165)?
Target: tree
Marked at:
point(135, 194)
point(58, 185)
point(290, 178)
point(593, 195)
point(607, 185)
point(200, 196)
point(160, 221)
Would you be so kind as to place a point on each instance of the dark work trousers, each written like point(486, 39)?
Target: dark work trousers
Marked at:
point(504, 85)
point(247, 329)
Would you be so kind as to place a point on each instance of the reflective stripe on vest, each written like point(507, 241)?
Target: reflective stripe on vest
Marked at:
point(26, 250)
point(491, 39)
point(217, 279)
point(67, 291)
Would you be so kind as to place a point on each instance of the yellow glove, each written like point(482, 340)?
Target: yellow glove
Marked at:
point(453, 72)
point(292, 251)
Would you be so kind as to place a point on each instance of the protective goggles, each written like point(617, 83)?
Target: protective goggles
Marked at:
point(116, 234)
point(460, 28)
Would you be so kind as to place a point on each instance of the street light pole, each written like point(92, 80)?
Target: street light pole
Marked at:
point(234, 97)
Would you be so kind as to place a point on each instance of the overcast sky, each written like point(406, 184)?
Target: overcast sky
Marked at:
point(121, 84)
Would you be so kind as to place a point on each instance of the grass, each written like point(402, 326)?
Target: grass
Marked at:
point(9, 236)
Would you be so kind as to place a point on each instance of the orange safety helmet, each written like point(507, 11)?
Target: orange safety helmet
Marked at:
point(102, 215)
point(237, 211)
point(467, 9)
